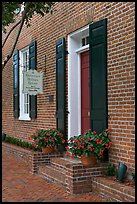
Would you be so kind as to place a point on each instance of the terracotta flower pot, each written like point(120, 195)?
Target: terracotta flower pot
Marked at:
point(91, 160)
point(49, 149)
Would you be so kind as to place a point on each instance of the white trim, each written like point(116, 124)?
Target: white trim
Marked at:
point(79, 94)
point(83, 49)
point(80, 32)
point(74, 80)
point(22, 116)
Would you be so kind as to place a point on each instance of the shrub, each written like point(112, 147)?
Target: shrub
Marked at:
point(111, 170)
point(20, 143)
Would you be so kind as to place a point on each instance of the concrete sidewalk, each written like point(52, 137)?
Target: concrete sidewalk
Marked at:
point(19, 185)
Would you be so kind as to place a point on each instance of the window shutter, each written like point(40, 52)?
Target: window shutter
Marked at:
point(32, 65)
point(60, 86)
point(16, 83)
point(98, 75)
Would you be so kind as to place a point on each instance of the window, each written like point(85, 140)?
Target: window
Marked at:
point(24, 98)
point(85, 41)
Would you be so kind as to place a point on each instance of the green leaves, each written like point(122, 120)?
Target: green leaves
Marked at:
point(50, 137)
point(89, 143)
point(20, 143)
point(9, 11)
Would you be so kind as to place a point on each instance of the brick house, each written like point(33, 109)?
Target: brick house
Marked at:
point(86, 52)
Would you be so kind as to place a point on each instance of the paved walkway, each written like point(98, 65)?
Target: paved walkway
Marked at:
point(19, 185)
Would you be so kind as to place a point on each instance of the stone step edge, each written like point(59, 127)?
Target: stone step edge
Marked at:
point(63, 162)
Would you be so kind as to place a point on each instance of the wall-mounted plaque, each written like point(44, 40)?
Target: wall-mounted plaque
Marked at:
point(32, 82)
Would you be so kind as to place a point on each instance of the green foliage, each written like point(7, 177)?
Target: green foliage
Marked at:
point(111, 170)
point(9, 11)
point(21, 143)
point(45, 138)
point(89, 143)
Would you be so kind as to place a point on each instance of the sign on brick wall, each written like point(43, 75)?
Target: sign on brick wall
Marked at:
point(32, 82)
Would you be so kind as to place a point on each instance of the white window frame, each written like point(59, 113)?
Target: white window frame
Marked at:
point(23, 115)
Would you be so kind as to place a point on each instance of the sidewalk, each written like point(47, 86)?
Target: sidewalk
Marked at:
point(19, 185)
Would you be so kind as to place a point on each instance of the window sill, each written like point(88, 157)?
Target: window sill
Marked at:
point(24, 118)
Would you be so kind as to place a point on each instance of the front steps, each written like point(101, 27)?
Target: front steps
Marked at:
point(75, 174)
point(71, 174)
point(54, 171)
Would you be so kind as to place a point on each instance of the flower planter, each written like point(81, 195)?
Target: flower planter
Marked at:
point(48, 150)
point(86, 161)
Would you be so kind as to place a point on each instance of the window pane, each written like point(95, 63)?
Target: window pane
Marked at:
point(25, 108)
point(87, 40)
point(25, 98)
point(83, 41)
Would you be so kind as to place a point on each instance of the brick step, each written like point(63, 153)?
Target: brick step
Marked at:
point(116, 192)
point(70, 173)
point(52, 174)
point(63, 162)
point(56, 170)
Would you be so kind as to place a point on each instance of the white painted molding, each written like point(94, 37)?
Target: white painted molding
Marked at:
point(74, 80)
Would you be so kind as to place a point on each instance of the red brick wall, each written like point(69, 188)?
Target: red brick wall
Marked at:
point(68, 17)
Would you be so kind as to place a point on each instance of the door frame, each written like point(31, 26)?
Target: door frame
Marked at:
point(74, 81)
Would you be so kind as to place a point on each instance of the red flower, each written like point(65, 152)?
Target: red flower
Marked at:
point(100, 141)
point(67, 147)
point(34, 145)
point(67, 153)
point(63, 141)
point(102, 151)
point(37, 140)
point(72, 156)
point(100, 157)
point(29, 138)
point(75, 140)
point(97, 141)
point(94, 132)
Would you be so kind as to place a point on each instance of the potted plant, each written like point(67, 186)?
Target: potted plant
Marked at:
point(47, 139)
point(89, 146)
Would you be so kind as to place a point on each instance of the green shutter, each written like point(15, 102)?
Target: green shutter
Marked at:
point(60, 86)
point(98, 75)
point(16, 83)
point(32, 65)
